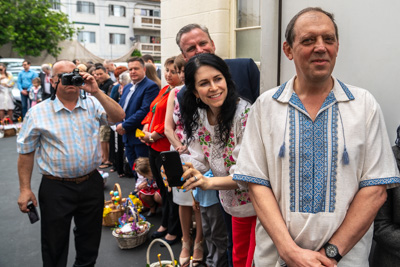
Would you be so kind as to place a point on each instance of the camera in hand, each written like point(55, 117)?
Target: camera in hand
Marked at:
point(73, 78)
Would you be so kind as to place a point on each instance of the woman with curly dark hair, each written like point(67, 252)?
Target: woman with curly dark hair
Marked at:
point(214, 118)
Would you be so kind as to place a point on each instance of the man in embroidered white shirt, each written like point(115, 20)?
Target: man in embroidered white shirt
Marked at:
point(316, 157)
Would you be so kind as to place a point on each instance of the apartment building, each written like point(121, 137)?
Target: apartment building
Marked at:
point(109, 29)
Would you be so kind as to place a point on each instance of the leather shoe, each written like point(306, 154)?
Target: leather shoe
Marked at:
point(157, 234)
point(170, 242)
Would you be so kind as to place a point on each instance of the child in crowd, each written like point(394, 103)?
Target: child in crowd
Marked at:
point(146, 187)
point(36, 92)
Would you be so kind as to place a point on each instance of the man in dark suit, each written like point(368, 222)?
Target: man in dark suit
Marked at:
point(45, 76)
point(135, 100)
point(194, 39)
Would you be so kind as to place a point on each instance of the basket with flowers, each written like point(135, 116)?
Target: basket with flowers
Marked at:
point(132, 229)
point(113, 209)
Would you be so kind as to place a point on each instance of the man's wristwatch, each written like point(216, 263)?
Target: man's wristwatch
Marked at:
point(332, 252)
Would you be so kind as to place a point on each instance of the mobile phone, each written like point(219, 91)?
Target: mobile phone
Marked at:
point(32, 213)
point(173, 168)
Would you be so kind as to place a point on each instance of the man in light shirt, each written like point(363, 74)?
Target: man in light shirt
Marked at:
point(24, 83)
point(65, 134)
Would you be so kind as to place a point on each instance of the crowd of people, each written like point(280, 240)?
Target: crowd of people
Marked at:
point(273, 180)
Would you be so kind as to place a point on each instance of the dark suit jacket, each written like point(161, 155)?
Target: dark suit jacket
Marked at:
point(137, 109)
point(387, 228)
point(246, 76)
point(42, 77)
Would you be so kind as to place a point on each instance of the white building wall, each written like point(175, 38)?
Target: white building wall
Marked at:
point(368, 51)
point(103, 24)
point(214, 14)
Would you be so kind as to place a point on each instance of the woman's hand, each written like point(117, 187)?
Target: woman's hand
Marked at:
point(196, 205)
point(194, 179)
point(146, 139)
point(182, 149)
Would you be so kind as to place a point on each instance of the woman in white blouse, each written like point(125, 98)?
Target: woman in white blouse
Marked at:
point(214, 118)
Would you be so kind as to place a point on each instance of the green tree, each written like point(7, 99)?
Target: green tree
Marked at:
point(32, 27)
point(136, 53)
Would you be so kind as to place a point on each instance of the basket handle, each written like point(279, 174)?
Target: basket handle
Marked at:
point(118, 187)
point(129, 200)
point(166, 245)
point(127, 209)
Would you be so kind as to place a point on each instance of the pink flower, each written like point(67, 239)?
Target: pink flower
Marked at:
point(180, 137)
point(231, 158)
point(207, 138)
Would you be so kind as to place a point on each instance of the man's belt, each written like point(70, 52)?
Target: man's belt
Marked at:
point(76, 180)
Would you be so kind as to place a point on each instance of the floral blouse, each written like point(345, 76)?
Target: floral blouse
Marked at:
point(177, 118)
point(206, 153)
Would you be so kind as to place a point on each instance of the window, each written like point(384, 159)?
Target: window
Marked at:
point(147, 12)
point(55, 4)
point(87, 37)
point(117, 11)
point(156, 13)
point(155, 39)
point(145, 39)
point(248, 27)
point(117, 38)
point(85, 7)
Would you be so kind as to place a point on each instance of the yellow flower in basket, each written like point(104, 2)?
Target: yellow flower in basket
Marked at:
point(139, 133)
point(136, 201)
point(106, 211)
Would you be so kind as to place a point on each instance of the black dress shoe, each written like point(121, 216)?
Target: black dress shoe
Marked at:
point(170, 242)
point(157, 234)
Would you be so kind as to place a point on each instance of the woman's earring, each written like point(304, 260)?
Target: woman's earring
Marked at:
point(197, 100)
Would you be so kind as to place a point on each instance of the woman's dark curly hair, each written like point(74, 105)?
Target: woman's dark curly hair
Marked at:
point(190, 107)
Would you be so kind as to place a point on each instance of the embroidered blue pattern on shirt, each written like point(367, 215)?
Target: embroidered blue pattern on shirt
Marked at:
point(292, 159)
point(295, 101)
point(329, 100)
point(346, 90)
point(279, 91)
point(314, 156)
point(251, 179)
point(380, 181)
point(334, 146)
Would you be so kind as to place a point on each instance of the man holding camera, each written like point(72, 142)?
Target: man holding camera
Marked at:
point(65, 132)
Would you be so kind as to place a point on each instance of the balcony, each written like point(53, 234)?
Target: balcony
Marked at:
point(152, 49)
point(145, 22)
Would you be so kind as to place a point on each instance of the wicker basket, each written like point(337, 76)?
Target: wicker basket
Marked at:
point(8, 130)
point(131, 241)
point(157, 264)
point(112, 218)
